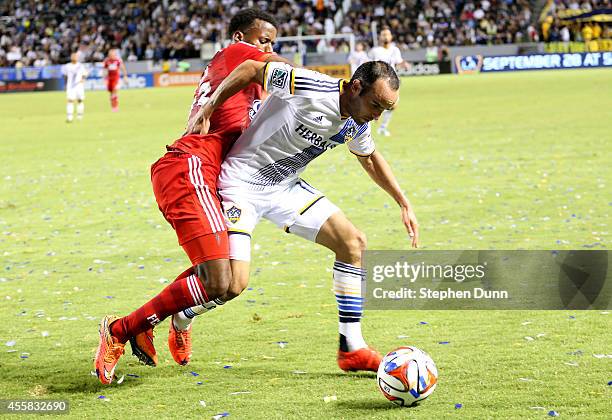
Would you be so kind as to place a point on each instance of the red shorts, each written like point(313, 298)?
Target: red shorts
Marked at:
point(112, 84)
point(186, 195)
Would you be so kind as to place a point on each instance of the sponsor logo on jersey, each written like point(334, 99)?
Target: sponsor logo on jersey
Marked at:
point(233, 214)
point(319, 118)
point(279, 78)
point(312, 137)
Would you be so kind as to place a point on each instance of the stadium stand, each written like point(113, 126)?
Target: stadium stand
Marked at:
point(576, 21)
point(419, 23)
point(34, 33)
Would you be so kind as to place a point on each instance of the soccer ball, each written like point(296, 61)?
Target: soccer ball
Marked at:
point(407, 375)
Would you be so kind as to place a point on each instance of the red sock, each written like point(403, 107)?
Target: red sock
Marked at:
point(185, 273)
point(181, 294)
point(114, 100)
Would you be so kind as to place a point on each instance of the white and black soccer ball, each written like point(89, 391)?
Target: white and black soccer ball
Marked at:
point(407, 375)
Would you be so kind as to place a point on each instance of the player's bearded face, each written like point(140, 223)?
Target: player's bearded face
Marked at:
point(262, 34)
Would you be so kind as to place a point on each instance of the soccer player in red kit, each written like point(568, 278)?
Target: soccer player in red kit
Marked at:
point(114, 66)
point(184, 182)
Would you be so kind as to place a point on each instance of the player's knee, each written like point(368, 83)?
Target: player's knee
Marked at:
point(352, 247)
point(359, 242)
point(216, 279)
point(234, 290)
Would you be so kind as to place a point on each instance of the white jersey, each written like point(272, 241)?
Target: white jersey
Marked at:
point(357, 58)
point(297, 123)
point(75, 75)
point(391, 55)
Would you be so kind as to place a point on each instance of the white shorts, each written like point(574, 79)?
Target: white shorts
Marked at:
point(75, 94)
point(299, 209)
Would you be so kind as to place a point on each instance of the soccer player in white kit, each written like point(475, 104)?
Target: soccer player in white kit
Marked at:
point(307, 114)
point(388, 52)
point(75, 73)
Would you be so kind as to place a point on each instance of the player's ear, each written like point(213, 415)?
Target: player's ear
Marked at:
point(237, 36)
point(356, 87)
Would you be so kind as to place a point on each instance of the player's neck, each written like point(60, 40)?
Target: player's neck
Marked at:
point(344, 100)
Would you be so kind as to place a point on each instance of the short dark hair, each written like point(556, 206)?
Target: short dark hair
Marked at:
point(370, 72)
point(244, 19)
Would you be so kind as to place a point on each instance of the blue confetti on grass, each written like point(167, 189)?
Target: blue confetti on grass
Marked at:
point(423, 323)
point(133, 375)
point(572, 317)
point(444, 342)
point(220, 415)
point(194, 373)
point(553, 413)
point(109, 297)
point(457, 406)
point(199, 383)
point(610, 383)
point(101, 397)
point(227, 367)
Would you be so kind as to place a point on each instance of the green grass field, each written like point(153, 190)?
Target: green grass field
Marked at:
point(509, 161)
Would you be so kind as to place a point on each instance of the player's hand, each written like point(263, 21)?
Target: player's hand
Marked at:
point(412, 226)
point(195, 125)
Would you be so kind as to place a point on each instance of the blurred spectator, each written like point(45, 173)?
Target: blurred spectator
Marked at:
point(358, 57)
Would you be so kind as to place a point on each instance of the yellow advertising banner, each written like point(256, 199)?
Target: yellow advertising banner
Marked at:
point(341, 71)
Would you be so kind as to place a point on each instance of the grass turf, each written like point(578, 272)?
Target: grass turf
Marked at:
point(509, 161)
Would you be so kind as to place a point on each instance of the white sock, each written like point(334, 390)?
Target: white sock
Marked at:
point(69, 111)
point(386, 118)
point(347, 288)
point(80, 109)
point(183, 319)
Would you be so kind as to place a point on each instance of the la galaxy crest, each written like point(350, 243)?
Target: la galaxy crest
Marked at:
point(233, 214)
point(349, 135)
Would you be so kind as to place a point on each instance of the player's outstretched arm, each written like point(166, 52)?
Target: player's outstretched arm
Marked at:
point(379, 170)
point(246, 73)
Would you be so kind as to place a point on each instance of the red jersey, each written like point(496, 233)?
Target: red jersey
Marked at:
point(231, 118)
point(113, 65)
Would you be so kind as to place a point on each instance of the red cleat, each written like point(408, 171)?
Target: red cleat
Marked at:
point(108, 353)
point(143, 348)
point(179, 343)
point(363, 359)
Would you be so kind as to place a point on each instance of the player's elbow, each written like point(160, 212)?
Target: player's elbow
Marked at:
point(252, 70)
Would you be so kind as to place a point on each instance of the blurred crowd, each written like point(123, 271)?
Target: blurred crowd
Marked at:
point(558, 27)
point(421, 23)
point(38, 33)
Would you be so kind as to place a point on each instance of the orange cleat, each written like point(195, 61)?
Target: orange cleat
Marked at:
point(143, 348)
point(362, 359)
point(179, 343)
point(108, 353)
